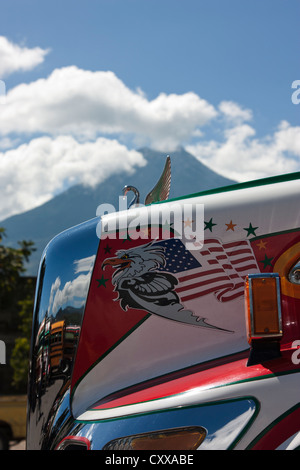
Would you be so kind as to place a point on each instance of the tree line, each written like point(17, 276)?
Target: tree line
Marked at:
point(17, 295)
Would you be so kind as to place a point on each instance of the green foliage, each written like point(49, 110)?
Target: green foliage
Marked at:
point(19, 362)
point(16, 294)
point(20, 355)
point(12, 262)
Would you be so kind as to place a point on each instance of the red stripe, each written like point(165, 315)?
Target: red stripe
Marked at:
point(239, 252)
point(212, 240)
point(221, 371)
point(199, 294)
point(242, 260)
point(216, 249)
point(195, 275)
point(227, 266)
point(203, 283)
point(234, 276)
point(246, 268)
point(232, 244)
point(237, 294)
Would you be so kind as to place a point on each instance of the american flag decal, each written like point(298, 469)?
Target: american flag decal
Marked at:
point(217, 268)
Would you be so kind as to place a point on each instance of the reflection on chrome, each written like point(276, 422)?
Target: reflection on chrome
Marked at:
point(223, 437)
point(224, 421)
point(62, 288)
point(73, 292)
point(294, 274)
point(58, 333)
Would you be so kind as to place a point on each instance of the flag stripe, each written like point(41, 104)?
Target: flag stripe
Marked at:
point(196, 295)
point(239, 252)
point(222, 271)
point(202, 283)
point(199, 274)
point(246, 268)
point(238, 261)
point(232, 244)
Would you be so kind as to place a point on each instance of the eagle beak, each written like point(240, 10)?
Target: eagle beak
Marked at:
point(117, 263)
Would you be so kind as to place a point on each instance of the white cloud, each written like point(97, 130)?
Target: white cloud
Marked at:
point(84, 264)
point(243, 157)
point(14, 58)
point(75, 289)
point(85, 104)
point(233, 112)
point(33, 172)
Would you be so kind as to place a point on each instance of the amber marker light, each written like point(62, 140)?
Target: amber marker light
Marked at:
point(263, 307)
point(186, 438)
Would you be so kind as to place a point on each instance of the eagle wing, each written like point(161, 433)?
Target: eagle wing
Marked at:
point(155, 288)
point(154, 283)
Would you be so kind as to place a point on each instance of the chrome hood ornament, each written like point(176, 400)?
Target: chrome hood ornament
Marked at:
point(136, 199)
point(160, 192)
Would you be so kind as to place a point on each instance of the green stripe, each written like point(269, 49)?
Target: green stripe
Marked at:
point(238, 186)
point(275, 234)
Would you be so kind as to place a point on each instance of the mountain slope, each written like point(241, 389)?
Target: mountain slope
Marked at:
point(79, 203)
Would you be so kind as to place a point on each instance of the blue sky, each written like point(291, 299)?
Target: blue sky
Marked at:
point(246, 51)
point(214, 76)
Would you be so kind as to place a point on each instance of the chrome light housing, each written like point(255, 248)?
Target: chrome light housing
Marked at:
point(294, 274)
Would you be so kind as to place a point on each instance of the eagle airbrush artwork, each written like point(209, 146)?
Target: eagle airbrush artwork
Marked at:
point(144, 280)
point(160, 275)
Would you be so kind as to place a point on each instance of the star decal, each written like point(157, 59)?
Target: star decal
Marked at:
point(188, 222)
point(230, 226)
point(209, 225)
point(107, 249)
point(127, 238)
point(262, 245)
point(146, 232)
point(251, 230)
point(266, 261)
point(102, 281)
point(167, 226)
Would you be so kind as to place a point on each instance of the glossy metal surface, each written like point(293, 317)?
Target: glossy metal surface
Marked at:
point(161, 190)
point(122, 349)
point(136, 199)
point(294, 274)
point(225, 423)
point(62, 288)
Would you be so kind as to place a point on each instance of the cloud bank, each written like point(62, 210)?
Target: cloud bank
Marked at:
point(84, 103)
point(33, 172)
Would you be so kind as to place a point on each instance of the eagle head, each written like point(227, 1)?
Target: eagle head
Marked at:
point(135, 261)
